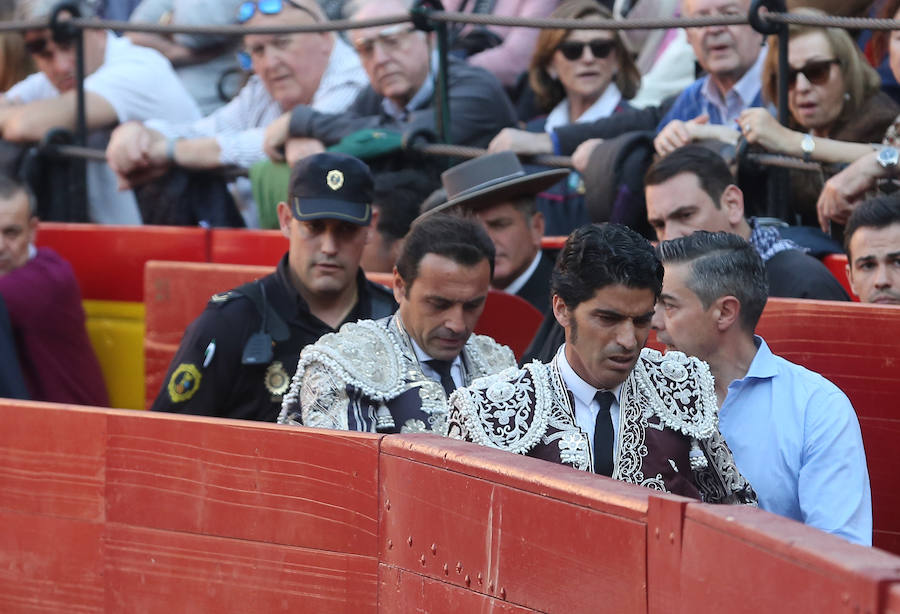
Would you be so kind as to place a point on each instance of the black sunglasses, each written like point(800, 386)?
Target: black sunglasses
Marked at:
point(816, 72)
point(573, 50)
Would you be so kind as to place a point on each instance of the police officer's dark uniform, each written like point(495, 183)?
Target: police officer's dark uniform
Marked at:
point(234, 362)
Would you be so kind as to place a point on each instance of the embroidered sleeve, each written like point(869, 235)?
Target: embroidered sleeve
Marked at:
point(717, 476)
point(323, 398)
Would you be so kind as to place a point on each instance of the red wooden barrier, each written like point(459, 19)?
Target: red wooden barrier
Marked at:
point(855, 346)
point(238, 246)
point(137, 512)
point(109, 260)
point(837, 264)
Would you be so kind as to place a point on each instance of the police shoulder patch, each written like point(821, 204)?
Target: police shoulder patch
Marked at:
point(184, 382)
point(223, 297)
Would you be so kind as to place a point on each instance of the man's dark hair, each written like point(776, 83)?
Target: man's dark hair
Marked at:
point(878, 212)
point(709, 167)
point(722, 264)
point(398, 196)
point(462, 240)
point(600, 255)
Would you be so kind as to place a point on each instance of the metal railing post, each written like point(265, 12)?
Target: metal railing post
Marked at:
point(62, 30)
point(778, 204)
point(420, 18)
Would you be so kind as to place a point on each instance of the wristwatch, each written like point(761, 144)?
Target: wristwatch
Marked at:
point(807, 146)
point(888, 157)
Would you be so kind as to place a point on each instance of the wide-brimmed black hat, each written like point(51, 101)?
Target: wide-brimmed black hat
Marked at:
point(331, 186)
point(490, 179)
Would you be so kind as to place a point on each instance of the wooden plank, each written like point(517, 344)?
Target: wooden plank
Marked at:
point(245, 246)
point(498, 540)
point(665, 526)
point(149, 571)
point(52, 459)
point(739, 559)
point(50, 564)
point(523, 473)
point(231, 478)
point(403, 592)
point(893, 600)
point(109, 260)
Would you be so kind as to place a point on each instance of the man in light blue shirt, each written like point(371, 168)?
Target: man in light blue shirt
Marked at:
point(793, 433)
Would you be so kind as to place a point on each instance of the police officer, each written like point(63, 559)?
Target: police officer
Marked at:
point(236, 360)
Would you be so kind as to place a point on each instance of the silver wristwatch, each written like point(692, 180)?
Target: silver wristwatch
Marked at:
point(888, 157)
point(807, 146)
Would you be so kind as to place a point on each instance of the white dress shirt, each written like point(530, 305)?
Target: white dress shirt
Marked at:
point(586, 409)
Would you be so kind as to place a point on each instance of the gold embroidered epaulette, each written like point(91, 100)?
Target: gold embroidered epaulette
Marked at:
point(680, 390)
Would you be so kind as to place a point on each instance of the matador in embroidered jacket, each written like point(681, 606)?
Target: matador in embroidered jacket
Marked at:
point(668, 437)
point(367, 377)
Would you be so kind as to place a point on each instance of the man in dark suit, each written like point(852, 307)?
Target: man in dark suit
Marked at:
point(498, 192)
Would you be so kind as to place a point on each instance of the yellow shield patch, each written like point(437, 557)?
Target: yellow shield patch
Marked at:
point(184, 382)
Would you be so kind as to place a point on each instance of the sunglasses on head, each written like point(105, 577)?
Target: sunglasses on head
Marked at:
point(268, 7)
point(816, 72)
point(573, 50)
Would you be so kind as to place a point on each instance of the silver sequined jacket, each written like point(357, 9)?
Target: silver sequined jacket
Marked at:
point(366, 377)
point(668, 436)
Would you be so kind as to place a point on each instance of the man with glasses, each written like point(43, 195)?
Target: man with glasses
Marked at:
point(401, 92)
point(124, 82)
point(314, 68)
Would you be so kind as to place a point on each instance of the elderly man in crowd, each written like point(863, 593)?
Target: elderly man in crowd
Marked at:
point(401, 91)
point(497, 191)
point(315, 68)
point(603, 403)
point(394, 375)
point(793, 433)
point(872, 243)
point(237, 358)
point(124, 82)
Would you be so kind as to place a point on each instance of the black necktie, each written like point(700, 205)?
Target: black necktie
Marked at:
point(603, 434)
point(442, 367)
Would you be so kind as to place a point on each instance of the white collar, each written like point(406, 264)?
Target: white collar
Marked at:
point(602, 107)
point(583, 392)
point(522, 279)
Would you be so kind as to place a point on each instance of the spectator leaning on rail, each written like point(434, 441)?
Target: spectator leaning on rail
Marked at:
point(793, 433)
point(45, 311)
point(124, 82)
point(401, 92)
point(236, 360)
point(872, 243)
point(731, 56)
point(603, 403)
point(314, 68)
point(502, 197)
point(394, 375)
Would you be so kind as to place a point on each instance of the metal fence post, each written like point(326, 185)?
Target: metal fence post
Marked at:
point(420, 18)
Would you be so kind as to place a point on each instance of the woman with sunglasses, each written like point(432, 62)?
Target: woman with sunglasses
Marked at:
point(835, 101)
point(577, 76)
